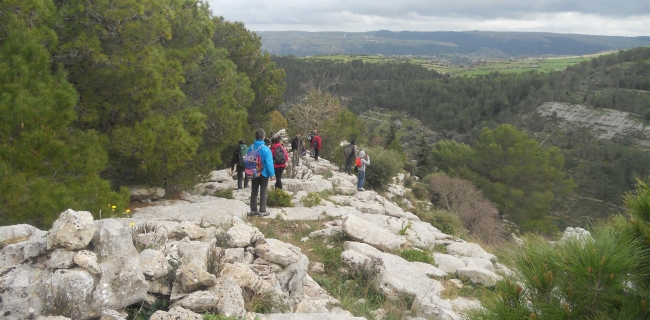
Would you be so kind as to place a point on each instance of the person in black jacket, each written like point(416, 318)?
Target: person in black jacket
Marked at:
point(295, 149)
point(238, 161)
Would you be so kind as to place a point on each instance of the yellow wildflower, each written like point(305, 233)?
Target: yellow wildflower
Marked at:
point(132, 224)
point(113, 207)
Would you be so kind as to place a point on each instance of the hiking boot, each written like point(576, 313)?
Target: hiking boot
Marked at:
point(263, 214)
point(253, 213)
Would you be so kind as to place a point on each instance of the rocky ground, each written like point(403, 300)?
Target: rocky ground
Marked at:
point(206, 255)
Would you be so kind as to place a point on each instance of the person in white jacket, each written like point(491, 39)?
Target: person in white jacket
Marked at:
point(365, 160)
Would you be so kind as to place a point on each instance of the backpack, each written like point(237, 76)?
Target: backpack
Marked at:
point(280, 155)
point(348, 150)
point(310, 136)
point(357, 163)
point(253, 163)
point(241, 154)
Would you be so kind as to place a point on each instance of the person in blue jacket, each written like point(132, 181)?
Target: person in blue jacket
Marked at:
point(260, 184)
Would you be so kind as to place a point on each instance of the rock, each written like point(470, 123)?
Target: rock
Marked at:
point(87, 260)
point(69, 292)
point(52, 318)
point(481, 276)
point(447, 263)
point(367, 232)
point(393, 274)
point(18, 291)
point(473, 250)
point(16, 233)
point(278, 252)
point(317, 267)
point(315, 299)
point(187, 229)
point(461, 304)
point(305, 316)
point(365, 207)
point(198, 301)
point(140, 193)
point(315, 185)
point(247, 279)
point(122, 282)
point(576, 234)
point(233, 255)
point(242, 235)
point(61, 259)
point(219, 176)
point(336, 230)
point(111, 315)
point(292, 277)
point(176, 313)
point(229, 295)
point(31, 248)
point(153, 263)
point(209, 210)
point(193, 275)
point(73, 230)
point(478, 263)
point(396, 190)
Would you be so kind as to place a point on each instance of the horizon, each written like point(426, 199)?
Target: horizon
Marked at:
point(598, 17)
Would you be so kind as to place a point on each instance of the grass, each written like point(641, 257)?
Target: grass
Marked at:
point(311, 199)
point(226, 193)
point(416, 255)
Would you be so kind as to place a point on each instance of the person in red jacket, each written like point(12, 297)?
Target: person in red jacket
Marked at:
point(316, 144)
point(278, 164)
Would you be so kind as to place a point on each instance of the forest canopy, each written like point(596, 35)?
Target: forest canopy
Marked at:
point(104, 94)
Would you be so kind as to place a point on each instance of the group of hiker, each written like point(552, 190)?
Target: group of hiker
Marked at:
point(267, 158)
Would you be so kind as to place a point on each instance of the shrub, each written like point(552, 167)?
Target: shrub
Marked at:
point(420, 191)
point(227, 193)
point(279, 198)
point(384, 165)
point(416, 255)
point(311, 199)
point(444, 221)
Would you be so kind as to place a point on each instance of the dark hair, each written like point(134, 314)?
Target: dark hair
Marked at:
point(267, 141)
point(242, 142)
point(275, 140)
point(352, 142)
point(260, 134)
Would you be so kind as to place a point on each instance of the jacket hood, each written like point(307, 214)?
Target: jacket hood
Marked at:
point(362, 154)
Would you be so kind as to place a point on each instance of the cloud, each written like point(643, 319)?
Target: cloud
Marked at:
point(604, 17)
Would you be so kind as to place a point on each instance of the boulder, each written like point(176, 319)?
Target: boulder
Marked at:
point(312, 185)
point(23, 251)
point(473, 250)
point(278, 252)
point(176, 313)
point(122, 282)
point(193, 274)
point(372, 234)
point(481, 276)
point(16, 233)
point(230, 299)
point(61, 259)
point(69, 292)
point(478, 263)
point(315, 299)
point(209, 210)
point(447, 263)
point(73, 230)
point(20, 296)
point(87, 260)
point(153, 263)
point(306, 316)
point(111, 315)
point(242, 235)
point(141, 193)
point(219, 176)
point(198, 301)
point(188, 229)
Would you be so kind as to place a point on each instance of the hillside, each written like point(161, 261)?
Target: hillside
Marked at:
point(476, 43)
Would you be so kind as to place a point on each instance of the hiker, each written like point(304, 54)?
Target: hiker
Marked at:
point(238, 160)
point(350, 153)
point(295, 149)
point(280, 158)
point(267, 142)
point(362, 162)
point(316, 144)
point(259, 164)
point(303, 149)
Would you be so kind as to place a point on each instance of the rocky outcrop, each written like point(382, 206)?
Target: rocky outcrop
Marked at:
point(73, 230)
point(141, 193)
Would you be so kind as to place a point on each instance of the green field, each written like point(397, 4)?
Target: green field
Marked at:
point(478, 68)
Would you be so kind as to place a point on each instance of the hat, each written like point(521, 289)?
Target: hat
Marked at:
point(362, 154)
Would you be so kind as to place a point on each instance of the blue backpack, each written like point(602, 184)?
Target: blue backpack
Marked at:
point(253, 163)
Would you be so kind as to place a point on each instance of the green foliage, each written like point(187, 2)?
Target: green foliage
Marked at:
point(212, 316)
point(444, 221)
point(384, 165)
point(144, 312)
point(279, 198)
point(420, 191)
point(227, 193)
point(416, 255)
point(311, 199)
point(45, 166)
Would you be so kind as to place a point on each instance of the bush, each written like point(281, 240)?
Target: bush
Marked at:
point(444, 221)
point(420, 192)
point(384, 165)
point(311, 199)
point(227, 193)
point(279, 198)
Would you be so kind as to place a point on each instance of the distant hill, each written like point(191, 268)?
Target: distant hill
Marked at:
point(479, 43)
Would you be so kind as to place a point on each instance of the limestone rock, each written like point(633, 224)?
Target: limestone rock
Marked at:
point(176, 313)
point(68, 292)
point(305, 316)
point(87, 260)
point(122, 283)
point(15, 234)
point(478, 275)
point(473, 250)
point(153, 263)
point(315, 185)
point(193, 275)
point(73, 230)
point(219, 176)
point(141, 193)
point(278, 252)
point(31, 248)
point(242, 235)
point(447, 263)
point(209, 210)
point(111, 315)
point(367, 232)
point(61, 259)
point(198, 301)
point(229, 295)
point(187, 229)
point(17, 291)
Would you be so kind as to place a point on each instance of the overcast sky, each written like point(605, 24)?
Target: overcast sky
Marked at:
point(597, 17)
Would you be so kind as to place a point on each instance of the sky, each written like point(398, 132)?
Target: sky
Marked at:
point(594, 17)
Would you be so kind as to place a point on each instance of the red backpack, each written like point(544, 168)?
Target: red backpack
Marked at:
point(358, 162)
